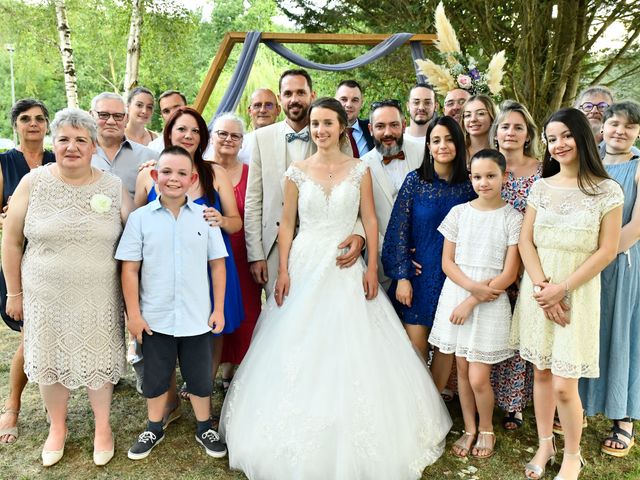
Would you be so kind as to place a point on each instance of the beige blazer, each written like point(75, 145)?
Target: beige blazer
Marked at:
point(385, 193)
point(265, 188)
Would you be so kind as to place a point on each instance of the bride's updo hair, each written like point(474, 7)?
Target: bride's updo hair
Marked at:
point(332, 104)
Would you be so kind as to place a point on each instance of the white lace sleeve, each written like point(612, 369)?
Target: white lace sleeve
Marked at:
point(296, 175)
point(514, 224)
point(533, 199)
point(611, 198)
point(449, 226)
point(358, 172)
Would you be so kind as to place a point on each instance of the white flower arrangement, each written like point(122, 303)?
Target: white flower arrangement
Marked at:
point(100, 203)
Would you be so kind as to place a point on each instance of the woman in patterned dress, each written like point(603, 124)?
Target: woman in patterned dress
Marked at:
point(65, 286)
point(516, 136)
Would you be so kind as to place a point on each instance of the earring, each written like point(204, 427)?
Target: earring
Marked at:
point(527, 143)
point(495, 142)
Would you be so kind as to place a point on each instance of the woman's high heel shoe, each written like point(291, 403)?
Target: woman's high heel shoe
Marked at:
point(537, 470)
point(51, 457)
point(582, 463)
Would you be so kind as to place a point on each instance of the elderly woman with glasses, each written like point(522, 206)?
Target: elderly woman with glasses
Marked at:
point(65, 285)
point(187, 128)
point(30, 120)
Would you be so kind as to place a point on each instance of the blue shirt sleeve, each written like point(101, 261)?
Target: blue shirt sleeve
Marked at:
point(130, 246)
point(397, 245)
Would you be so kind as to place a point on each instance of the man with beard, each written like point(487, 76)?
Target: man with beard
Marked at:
point(454, 101)
point(349, 94)
point(421, 107)
point(276, 147)
point(389, 163)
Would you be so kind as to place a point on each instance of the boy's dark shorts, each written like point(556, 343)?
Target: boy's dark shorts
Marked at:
point(160, 352)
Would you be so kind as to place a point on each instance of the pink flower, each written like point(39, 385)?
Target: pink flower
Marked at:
point(464, 81)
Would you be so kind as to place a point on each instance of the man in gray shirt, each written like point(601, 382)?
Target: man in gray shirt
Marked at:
point(116, 154)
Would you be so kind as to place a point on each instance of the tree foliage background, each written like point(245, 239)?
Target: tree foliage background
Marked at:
point(551, 46)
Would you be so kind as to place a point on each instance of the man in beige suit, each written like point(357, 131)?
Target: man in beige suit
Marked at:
point(389, 162)
point(276, 147)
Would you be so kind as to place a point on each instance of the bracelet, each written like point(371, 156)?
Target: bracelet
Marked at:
point(566, 290)
point(11, 295)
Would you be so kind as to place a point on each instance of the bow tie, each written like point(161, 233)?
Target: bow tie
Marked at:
point(304, 136)
point(397, 156)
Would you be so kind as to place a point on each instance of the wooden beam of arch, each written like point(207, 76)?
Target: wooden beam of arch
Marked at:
point(231, 38)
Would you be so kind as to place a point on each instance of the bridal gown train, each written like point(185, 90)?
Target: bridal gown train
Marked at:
point(331, 387)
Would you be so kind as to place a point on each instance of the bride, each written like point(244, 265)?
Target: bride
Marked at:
point(330, 387)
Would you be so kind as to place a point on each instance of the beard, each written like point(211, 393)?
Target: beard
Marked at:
point(388, 151)
point(422, 121)
point(300, 115)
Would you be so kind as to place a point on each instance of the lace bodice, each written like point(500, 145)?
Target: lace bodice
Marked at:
point(328, 211)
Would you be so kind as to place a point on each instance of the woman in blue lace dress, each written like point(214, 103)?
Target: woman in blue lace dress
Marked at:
point(425, 198)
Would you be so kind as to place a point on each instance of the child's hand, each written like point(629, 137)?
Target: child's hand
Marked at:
point(483, 292)
point(282, 287)
point(216, 321)
point(404, 292)
point(136, 325)
point(550, 295)
point(462, 312)
point(370, 283)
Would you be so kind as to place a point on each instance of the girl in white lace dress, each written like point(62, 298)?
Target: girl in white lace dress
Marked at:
point(569, 234)
point(480, 258)
point(330, 388)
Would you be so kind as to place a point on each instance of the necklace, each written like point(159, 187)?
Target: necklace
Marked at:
point(615, 154)
point(68, 181)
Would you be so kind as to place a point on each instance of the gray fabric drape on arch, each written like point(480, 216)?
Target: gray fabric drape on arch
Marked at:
point(238, 81)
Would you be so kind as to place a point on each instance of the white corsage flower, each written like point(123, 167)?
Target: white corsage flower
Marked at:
point(100, 203)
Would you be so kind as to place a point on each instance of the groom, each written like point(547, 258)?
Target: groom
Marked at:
point(276, 147)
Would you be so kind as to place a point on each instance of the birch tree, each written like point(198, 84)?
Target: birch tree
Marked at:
point(68, 65)
point(133, 45)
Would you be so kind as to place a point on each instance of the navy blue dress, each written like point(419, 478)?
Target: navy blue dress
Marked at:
point(233, 309)
point(14, 167)
point(417, 213)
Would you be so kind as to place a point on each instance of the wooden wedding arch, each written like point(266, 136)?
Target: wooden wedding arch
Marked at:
point(232, 38)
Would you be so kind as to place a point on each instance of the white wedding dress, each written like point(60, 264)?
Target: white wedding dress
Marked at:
point(331, 387)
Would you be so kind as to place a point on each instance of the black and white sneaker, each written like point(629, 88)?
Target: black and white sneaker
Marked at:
point(210, 440)
point(144, 444)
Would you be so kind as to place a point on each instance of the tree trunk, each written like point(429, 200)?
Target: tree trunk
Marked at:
point(68, 65)
point(133, 46)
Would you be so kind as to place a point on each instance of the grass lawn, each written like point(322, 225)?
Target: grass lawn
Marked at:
point(179, 457)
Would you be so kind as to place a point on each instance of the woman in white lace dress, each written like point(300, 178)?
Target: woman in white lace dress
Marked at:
point(330, 387)
point(66, 285)
point(569, 235)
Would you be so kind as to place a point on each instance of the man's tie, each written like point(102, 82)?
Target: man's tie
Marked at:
point(304, 136)
point(397, 156)
point(354, 145)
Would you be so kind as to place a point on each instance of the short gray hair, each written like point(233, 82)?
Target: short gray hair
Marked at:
point(76, 118)
point(107, 96)
point(595, 90)
point(231, 117)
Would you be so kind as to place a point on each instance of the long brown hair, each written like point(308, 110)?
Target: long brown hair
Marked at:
point(205, 170)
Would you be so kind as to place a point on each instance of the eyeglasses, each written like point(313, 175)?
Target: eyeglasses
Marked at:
point(389, 102)
point(222, 135)
point(118, 117)
point(26, 119)
point(588, 106)
point(450, 103)
point(260, 106)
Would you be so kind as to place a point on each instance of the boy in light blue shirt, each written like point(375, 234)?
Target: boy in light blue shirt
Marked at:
point(165, 249)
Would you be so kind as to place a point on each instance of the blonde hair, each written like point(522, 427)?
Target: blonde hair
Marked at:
point(489, 105)
point(532, 145)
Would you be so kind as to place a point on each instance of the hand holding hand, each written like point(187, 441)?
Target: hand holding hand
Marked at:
point(557, 314)
point(462, 312)
point(354, 243)
point(550, 294)
point(483, 292)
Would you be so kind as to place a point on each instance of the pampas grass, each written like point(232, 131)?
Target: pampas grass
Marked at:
point(447, 39)
point(495, 72)
point(438, 76)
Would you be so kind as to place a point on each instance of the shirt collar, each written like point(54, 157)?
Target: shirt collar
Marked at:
point(356, 126)
point(156, 205)
point(288, 129)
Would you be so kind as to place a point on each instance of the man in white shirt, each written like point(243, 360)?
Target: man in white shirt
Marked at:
point(168, 102)
point(389, 163)
point(349, 94)
point(421, 107)
point(263, 110)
